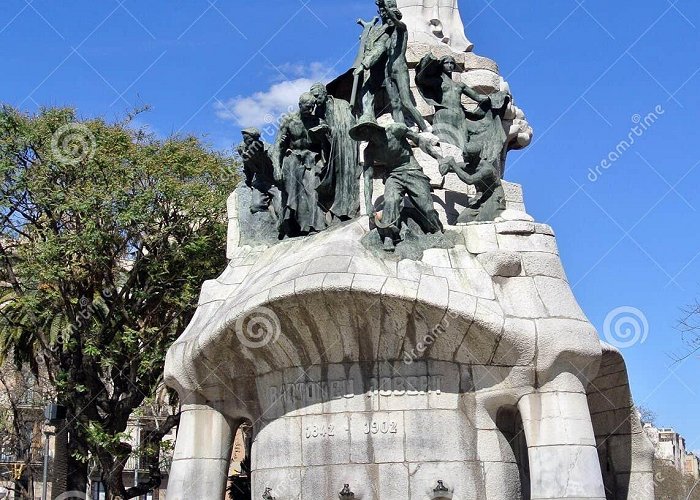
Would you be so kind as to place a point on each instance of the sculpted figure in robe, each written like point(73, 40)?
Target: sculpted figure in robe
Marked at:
point(382, 66)
point(301, 154)
point(435, 22)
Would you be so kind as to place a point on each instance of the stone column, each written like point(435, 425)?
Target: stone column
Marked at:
point(202, 454)
point(561, 446)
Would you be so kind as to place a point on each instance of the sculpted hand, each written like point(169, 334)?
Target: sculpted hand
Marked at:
point(446, 165)
point(358, 71)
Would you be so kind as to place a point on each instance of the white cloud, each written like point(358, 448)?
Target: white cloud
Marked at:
point(282, 97)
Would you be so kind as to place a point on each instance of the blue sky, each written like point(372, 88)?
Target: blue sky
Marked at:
point(583, 72)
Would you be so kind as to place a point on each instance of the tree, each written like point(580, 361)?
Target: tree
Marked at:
point(646, 415)
point(689, 326)
point(106, 234)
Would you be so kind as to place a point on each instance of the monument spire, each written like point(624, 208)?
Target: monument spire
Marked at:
point(435, 22)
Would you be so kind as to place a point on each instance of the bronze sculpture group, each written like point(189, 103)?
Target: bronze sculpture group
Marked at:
point(310, 178)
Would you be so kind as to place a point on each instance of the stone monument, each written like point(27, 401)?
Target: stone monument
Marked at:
point(451, 362)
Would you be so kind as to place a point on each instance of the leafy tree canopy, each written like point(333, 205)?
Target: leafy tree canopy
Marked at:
point(106, 235)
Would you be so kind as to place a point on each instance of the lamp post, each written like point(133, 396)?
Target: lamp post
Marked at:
point(45, 480)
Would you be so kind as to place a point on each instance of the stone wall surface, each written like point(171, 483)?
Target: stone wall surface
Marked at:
point(390, 375)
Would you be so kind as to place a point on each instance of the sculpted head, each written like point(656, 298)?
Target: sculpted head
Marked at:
point(307, 104)
point(388, 11)
point(250, 136)
point(320, 93)
point(472, 153)
point(449, 64)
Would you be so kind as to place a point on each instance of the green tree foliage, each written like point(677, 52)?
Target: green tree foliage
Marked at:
point(106, 236)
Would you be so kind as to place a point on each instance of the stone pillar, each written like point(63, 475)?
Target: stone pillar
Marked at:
point(202, 454)
point(561, 446)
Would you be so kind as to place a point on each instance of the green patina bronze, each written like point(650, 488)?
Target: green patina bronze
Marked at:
point(302, 149)
point(381, 66)
point(489, 202)
point(403, 176)
point(339, 191)
point(259, 173)
point(436, 85)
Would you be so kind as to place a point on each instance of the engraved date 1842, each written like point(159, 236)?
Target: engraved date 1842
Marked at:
point(320, 431)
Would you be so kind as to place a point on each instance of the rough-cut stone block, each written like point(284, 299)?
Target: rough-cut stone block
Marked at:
point(513, 192)
point(515, 227)
point(505, 264)
point(460, 258)
point(480, 238)
point(325, 440)
point(529, 243)
point(515, 215)
point(283, 483)
point(459, 444)
point(482, 80)
point(473, 61)
point(233, 237)
point(437, 257)
point(463, 478)
point(517, 345)
point(377, 437)
point(543, 264)
point(412, 270)
point(518, 296)
point(558, 298)
point(284, 436)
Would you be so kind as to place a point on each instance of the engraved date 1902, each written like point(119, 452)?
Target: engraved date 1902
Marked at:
point(385, 427)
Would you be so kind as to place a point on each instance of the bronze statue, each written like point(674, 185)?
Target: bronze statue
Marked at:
point(484, 127)
point(403, 175)
point(483, 174)
point(259, 173)
point(302, 150)
point(436, 85)
point(382, 64)
point(339, 191)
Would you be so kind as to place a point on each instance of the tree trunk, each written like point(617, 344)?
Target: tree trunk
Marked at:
point(77, 476)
